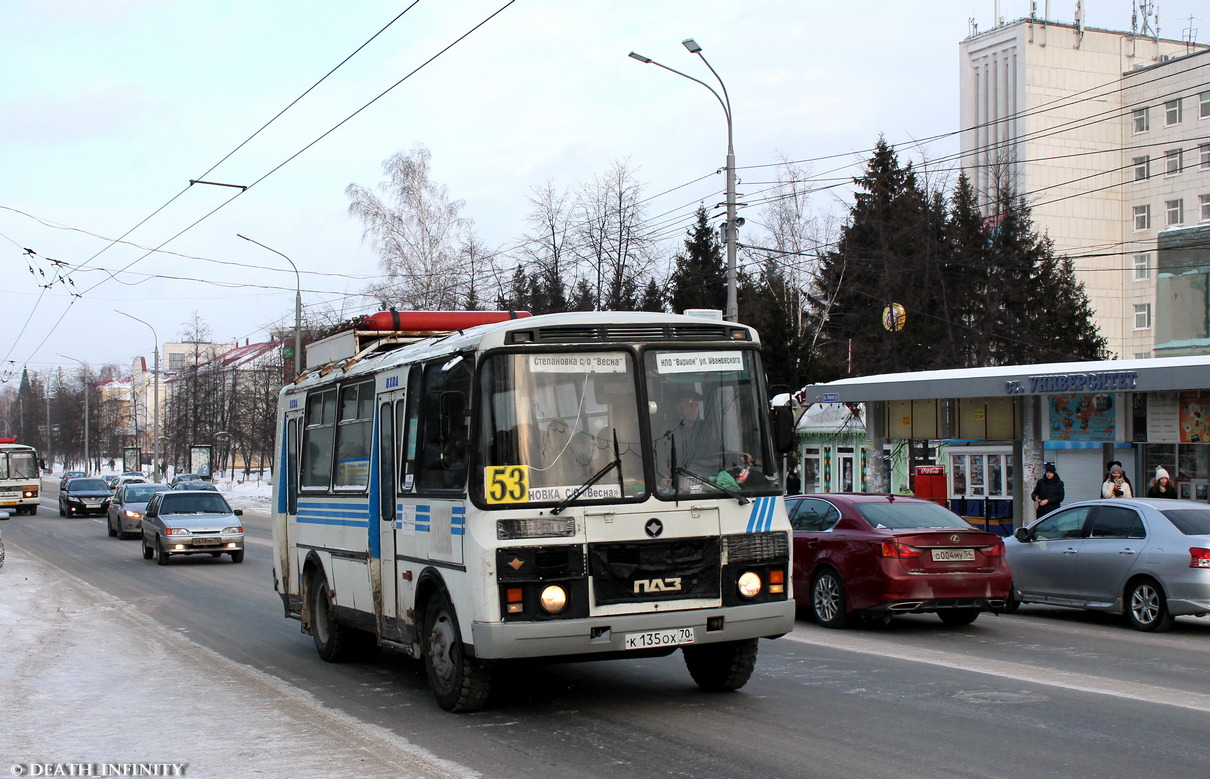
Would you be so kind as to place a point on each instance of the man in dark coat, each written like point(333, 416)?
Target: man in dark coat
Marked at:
point(1048, 493)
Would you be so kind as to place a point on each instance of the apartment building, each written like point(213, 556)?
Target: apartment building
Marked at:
point(1107, 135)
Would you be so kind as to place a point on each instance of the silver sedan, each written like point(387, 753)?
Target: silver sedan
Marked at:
point(126, 509)
point(1148, 559)
point(194, 522)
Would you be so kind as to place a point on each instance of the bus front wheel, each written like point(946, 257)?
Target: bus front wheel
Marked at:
point(460, 683)
point(721, 667)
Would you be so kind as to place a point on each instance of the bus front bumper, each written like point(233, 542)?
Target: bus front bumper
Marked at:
point(599, 635)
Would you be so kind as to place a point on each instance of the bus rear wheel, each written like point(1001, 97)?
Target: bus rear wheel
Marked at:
point(721, 667)
point(460, 683)
point(333, 641)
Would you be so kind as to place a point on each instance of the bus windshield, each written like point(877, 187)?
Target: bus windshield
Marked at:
point(18, 465)
point(707, 423)
point(551, 422)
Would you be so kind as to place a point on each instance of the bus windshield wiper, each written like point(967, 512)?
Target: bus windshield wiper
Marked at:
point(711, 483)
point(596, 477)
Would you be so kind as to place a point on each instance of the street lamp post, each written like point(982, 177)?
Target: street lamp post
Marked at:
point(155, 377)
point(732, 225)
point(87, 459)
point(297, 304)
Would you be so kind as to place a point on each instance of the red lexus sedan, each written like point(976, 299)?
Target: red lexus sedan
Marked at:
point(880, 555)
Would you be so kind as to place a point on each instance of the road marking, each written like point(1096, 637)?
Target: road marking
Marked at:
point(1005, 669)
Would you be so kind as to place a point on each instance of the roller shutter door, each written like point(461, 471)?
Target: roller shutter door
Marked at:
point(1082, 472)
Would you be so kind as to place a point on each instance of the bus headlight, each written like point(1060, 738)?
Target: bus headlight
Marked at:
point(748, 584)
point(553, 599)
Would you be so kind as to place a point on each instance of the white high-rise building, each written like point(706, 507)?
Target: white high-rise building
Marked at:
point(1107, 135)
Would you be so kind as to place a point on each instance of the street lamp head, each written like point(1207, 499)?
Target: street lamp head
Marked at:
point(640, 58)
point(691, 45)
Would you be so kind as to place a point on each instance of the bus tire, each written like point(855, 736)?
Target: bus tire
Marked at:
point(332, 639)
point(460, 683)
point(33, 511)
point(721, 667)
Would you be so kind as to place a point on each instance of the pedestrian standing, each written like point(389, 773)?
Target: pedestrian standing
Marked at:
point(1162, 486)
point(1117, 485)
point(1048, 492)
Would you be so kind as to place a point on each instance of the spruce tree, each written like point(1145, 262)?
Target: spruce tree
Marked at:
point(699, 278)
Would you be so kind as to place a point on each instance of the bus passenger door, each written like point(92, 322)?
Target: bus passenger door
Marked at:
point(392, 586)
point(288, 565)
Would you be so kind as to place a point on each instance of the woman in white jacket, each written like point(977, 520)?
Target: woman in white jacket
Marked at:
point(1116, 486)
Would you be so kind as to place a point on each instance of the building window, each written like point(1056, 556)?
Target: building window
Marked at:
point(1142, 267)
point(1142, 355)
point(1142, 316)
point(1142, 218)
point(1204, 154)
point(1204, 201)
point(1142, 168)
point(1174, 212)
point(1141, 122)
point(176, 362)
point(1172, 162)
point(1203, 111)
point(1172, 112)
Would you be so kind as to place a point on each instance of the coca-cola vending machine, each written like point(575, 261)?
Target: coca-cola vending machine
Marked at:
point(931, 485)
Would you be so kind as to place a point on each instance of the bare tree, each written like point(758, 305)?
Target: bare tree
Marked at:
point(418, 233)
point(612, 238)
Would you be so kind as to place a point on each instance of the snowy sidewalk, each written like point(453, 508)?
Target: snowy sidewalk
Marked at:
point(86, 679)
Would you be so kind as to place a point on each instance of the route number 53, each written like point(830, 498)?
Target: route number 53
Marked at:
point(507, 483)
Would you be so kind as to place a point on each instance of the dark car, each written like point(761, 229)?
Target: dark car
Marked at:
point(84, 496)
point(1146, 558)
point(181, 477)
point(191, 522)
point(68, 476)
point(881, 555)
point(195, 484)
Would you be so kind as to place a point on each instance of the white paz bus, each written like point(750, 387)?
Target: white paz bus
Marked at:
point(20, 477)
point(568, 485)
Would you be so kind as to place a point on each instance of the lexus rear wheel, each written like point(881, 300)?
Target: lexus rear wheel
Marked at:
point(828, 599)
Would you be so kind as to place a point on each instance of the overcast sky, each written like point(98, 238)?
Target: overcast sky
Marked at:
point(109, 109)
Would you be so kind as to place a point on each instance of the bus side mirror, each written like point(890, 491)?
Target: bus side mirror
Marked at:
point(783, 429)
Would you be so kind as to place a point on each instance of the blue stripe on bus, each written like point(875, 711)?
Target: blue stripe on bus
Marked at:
point(323, 520)
point(761, 518)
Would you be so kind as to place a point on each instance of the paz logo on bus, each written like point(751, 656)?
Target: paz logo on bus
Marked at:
point(653, 528)
point(657, 585)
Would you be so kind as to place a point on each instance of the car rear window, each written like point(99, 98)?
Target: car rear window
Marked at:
point(142, 494)
point(1190, 521)
point(194, 504)
point(902, 515)
point(88, 484)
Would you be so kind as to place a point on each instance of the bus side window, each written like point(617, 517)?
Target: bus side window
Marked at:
point(407, 426)
point(443, 457)
point(317, 441)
